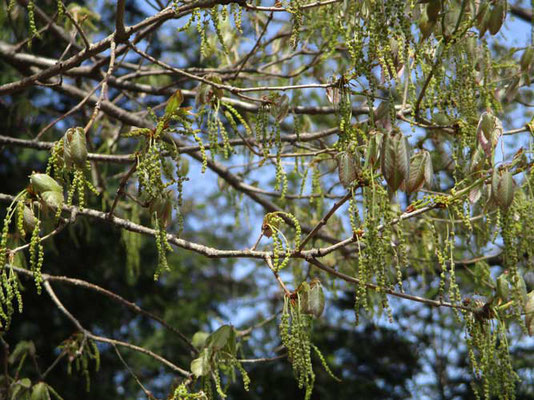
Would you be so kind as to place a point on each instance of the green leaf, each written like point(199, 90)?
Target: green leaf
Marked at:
point(201, 366)
point(174, 103)
point(503, 287)
point(312, 298)
point(75, 147)
point(28, 219)
point(348, 167)
point(22, 347)
point(43, 183)
point(52, 200)
point(497, 16)
point(218, 339)
point(280, 108)
point(529, 314)
point(40, 392)
point(199, 339)
point(504, 189)
point(420, 172)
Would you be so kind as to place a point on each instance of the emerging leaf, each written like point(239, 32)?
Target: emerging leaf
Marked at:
point(75, 147)
point(489, 130)
point(394, 160)
point(312, 298)
point(420, 172)
point(40, 392)
point(175, 101)
point(199, 339)
point(526, 59)
point(280, 108)
point(201, 366)
point(28, 219)
point(43, 183)
point(503, 287)
point(373, 148)
point(162, 207)
point(219, 339)
point(497, 16)
point(503, 189)
point(52, 200)
point(432, 10)
point(348, 165)
point(529, 313)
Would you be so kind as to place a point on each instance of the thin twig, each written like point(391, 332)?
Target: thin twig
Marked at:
point(102, 339)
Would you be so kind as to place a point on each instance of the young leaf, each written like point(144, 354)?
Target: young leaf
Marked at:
point(503, 287)
point(28, 219)
point(280, 108)
point(218, 339)
point(199, 339)
point(43, 183)
point(75, 147)
point(529, 313)
point(394, 160)
point(420, 172)
point(175, 101)
point(40, 392)
point(497, 16)
point(52, 200)
point(312, 298)
point(348, 165)
point(503, 188)
point(489, 130)
point(373, 148)
point(201, 366)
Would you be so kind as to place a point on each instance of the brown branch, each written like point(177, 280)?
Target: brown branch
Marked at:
point(350, 279)
point(120, 159)
point(324, 220)
point(113, 296)
point(122, 185)
point(521, 13)
point(120, 30)
point(102, 339)
point(104, 44)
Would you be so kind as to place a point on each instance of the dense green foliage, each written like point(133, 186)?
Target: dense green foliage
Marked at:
point(208, 199)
